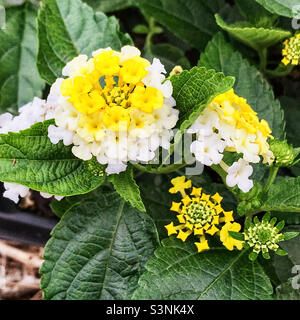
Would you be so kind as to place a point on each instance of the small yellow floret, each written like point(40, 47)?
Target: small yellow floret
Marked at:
point(179, 185)
point(116, 118)
point(227, 240)
point(176, 206)
point(134, 70)
point(147, 99)
point(106, 63)
point(202, 245)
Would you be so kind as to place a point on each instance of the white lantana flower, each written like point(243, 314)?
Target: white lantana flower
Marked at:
point(15, 191)
point(208, 150)
point(36, 111)
point(238, 174)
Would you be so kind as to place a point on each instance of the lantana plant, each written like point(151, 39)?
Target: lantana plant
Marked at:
point(168, 176)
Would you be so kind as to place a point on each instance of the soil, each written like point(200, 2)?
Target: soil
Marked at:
point(19, 278)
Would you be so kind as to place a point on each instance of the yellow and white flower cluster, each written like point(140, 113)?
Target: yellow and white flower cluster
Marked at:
point(230, 124)
point(115, 106)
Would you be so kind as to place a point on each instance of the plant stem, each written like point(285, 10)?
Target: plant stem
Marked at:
point(272, 177)
point(262, 59)
point(279, 72)
point(148, 41)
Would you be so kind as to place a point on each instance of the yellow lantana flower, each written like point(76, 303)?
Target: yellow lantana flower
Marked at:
point(198, 213)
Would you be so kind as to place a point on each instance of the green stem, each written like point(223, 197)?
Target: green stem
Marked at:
point(161, 170)
point(151, 33)
point(262, 58)
point(279, 72)
point(272, 177)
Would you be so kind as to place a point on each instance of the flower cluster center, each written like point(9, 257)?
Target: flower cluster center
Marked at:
point(111, 88)
point(199, 213)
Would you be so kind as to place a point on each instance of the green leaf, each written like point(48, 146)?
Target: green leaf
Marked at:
point(125, 185)
point(286, 291)
point(141, 29)
point(60, 207)
point(284, 196)
point(190, 20)
point(266, 217)
point(69, 28)
point(256, 38)
point(281, 252)
point(169, 56)
point(237, 235)
point(256, 14)
point(249, 83)
point(157, 200)
point(178, 271)
point(19, 78)
point(193, 90)
point(286, 8)
point(30, 159)
point(290, 235)
point(97, 251)
point(110, 5)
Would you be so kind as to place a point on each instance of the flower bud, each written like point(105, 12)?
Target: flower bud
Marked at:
point(176, 70)
point(284, 154)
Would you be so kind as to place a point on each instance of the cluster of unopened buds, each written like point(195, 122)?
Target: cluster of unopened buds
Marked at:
point(291, 50)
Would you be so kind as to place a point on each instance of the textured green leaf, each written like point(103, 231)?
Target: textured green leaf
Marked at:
point(110, 5)
point(125, 185)
point(256, 14)
point(69, 28)
point(60, 207)
point(281, 7)
point(256, 38)
point(19, 78)
point(249, 83)
point(178, 271)
point(30, 159)
point(284, 196)
point(97, 251)
point(169, 56)
point(190, 20)
point(157, 200)
point(193, 90)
